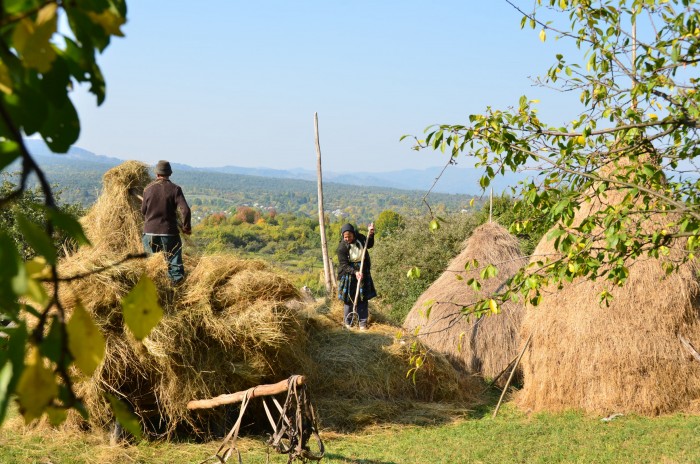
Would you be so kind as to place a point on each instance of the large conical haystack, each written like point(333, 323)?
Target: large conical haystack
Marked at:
point(232, 325)
point(623, 358)
point(490, 343)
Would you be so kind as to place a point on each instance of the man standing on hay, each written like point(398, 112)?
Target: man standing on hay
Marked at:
point(161, 200)
point(353, 267)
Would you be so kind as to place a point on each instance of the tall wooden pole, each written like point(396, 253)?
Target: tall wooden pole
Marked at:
point(321, 218)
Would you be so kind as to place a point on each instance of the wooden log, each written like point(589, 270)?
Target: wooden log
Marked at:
point(230, 398)
point(689, 348)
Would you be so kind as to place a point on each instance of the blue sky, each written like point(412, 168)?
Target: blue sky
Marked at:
point(223, 82)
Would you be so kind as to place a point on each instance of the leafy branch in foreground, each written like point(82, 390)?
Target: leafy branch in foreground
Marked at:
point(629, 156)
point(39, 66)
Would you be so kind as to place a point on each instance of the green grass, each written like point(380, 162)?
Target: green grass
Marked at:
point(512, 437)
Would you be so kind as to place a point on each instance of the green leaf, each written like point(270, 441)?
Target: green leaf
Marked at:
point(10, 270)
point(141, 309)
point(37, 239)
point(9, 152)
point(125, 417)
point(61, 127)
point(85, 341)
point(489, 272)
point(12, 355)
point(434, 225)
point(475, 284)
point(52, 345)
point(69, 224)
point(413, 273)
point(5, 379)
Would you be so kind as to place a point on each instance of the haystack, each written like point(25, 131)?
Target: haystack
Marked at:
point(232, 325)
point(229, 327)
point(489, 343)
point(624, 358)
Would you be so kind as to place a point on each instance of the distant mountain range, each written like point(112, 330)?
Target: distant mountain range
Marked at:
point(454, 180)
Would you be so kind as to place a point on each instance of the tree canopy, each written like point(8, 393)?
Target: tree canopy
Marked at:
point(635, 134)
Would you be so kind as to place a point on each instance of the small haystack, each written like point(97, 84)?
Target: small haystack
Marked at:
point(362, 377)
point(623, 358)
point(232, 325)
point(489, 343)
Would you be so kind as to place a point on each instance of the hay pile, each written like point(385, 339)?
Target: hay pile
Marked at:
point(233, 324)
point(230, 326)
point(361, 377)
point(489, 343)
point(623, 358)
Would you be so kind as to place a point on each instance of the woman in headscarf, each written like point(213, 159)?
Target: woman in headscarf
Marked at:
point(350, 250)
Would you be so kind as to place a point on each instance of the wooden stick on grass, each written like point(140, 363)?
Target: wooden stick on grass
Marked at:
point(512, 373)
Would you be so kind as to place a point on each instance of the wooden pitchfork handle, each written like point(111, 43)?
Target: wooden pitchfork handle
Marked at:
point(359, 281)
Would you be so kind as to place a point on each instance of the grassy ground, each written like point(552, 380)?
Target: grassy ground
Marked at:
point(511, 437)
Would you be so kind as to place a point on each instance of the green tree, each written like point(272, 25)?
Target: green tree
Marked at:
point(29, 205)
point(636, 133)
point(388, 222)
point(39, 66)
point(416, 246)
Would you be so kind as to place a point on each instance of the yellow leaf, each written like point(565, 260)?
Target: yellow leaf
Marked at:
point(543, 35)
point(36, 387)
point(141, 309)
point(493, 306)
point(471, 202)
point(562, 4)
point(85, 341)
point(57, 416)
point(581, 140)
point(653, 116)
point(47, 14)
point(5, 79)
point(33, 39)
point(37, 268)
point(110, 20)
point(36, 292)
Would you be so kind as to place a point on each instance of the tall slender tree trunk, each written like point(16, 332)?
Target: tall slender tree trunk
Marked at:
point(321, 216)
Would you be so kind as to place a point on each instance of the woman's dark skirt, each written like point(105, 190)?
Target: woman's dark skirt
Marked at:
point(347, 286)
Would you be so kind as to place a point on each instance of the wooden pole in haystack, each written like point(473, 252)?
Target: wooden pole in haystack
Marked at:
point(321, 217)
point(255, 392)
point(510, 378)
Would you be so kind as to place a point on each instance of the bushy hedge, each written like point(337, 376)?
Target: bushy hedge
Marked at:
point(416, 246)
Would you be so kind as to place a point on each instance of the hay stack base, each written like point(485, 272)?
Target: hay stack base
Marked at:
point(626, 357)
